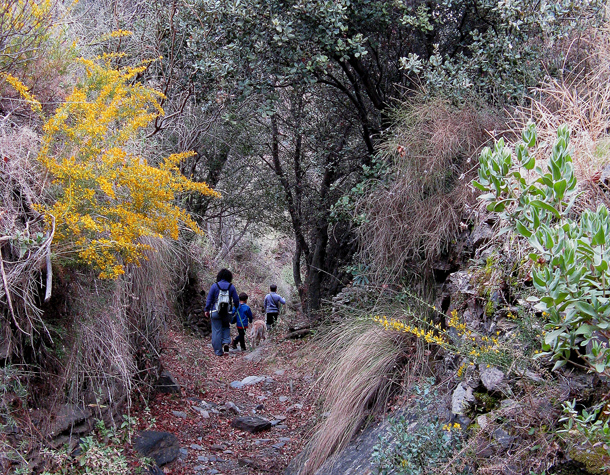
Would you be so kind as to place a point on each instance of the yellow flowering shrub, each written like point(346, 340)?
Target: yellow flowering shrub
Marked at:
point(25, 27)
point(107, 199)
point(23, 91)
point(472, 346)
point(34, 45)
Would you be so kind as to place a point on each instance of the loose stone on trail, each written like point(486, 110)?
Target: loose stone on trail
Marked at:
point(251, 424)
point(167, 384)
point(162, 447)
point(247, 381)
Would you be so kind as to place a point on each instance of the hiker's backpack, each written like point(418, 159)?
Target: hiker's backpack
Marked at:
point(223, 302)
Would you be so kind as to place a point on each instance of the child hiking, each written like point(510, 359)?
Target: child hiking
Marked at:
point(218, 307)
point(272, 304)
point(242, 316)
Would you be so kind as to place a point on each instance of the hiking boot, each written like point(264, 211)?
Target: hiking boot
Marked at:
point(234, 346)
point(226, 348)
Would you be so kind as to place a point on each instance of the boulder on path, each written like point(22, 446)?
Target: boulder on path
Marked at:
point(162, 447)
point(251, 424)
point(154, 470)
point(167, 384)
point(248, 462)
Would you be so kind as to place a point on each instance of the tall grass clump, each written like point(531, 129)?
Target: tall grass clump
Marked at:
point(24, 241)
point(413, 216)
point(118, 327)
point(361, 363)
point(579, 100)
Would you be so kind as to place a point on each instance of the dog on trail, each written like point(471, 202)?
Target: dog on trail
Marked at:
point(258, 332)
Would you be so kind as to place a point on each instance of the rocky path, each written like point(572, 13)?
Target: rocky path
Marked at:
point(272, 382)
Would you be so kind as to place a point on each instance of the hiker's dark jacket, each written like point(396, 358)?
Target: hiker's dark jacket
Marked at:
point(213, 294)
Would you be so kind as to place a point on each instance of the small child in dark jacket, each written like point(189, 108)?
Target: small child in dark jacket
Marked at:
point(243, 316)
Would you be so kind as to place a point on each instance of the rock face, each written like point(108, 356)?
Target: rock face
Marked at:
point(481, 234)
point(193, 302)
point(355, 458)
point(251, 424)
point(162, 447)
point(167, 384)
point(69, 417)
point(461, 399)
point(492, 378)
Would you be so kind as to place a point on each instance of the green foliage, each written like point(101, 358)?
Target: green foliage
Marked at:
point(346, 207)
point(588, 435)
point(500, 53)
point(572, 254)
point(24, 241)
point(99, 453)
point(360, 273)
point(13, 394)
point(425, 449)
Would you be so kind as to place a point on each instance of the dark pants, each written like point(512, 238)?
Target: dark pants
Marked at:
point(240, 338)
point(271, 318)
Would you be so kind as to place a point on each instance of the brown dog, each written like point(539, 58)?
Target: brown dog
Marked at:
point(258, 332)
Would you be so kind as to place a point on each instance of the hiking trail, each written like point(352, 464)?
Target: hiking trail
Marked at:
point(277, 389)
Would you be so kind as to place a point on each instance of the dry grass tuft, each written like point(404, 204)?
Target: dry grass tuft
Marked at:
point(101, 366)
point(417, 214)
point(362, 363)
point(23, 254)
point(581, 101)
point(151, 288)
point(116, 330)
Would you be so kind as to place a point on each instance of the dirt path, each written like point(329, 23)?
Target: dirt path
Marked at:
point(201, 415)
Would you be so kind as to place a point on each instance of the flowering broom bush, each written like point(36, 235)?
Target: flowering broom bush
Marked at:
point(107, 198)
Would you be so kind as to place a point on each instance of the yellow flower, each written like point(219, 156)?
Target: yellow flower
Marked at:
point(23, 91)
point(110, 199)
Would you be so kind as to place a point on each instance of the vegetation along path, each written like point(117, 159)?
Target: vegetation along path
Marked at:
point(277, 389)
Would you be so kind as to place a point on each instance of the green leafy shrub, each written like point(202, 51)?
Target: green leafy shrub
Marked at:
point(572, 253)
point(588, 435)
point(13, 394)
point(99, 453)
point(424, 449)
point(512, 49)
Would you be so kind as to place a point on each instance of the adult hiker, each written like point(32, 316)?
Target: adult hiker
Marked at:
point(221, 298)
point(271, 305)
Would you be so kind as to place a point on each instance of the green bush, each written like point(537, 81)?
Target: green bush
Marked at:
point(424, 449)
point(571, 253)
point(100, 453)
point(587, 435)
point(13, 394)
